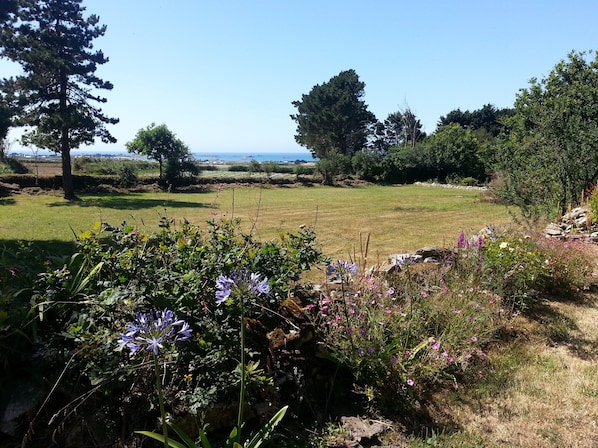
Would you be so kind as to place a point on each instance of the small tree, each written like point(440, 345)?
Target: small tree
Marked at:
point(160, 144)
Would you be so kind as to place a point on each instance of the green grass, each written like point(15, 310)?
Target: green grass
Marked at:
point(398, 218)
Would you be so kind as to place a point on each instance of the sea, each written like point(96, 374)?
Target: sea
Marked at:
point(281, 157)
point(206, 157)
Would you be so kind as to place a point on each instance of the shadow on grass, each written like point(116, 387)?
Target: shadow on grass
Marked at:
point(130, 202)
point(7, 201)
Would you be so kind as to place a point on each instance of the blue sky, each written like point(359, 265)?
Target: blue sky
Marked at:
point(222, 75)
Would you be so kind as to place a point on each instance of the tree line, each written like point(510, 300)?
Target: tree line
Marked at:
point(542, 152)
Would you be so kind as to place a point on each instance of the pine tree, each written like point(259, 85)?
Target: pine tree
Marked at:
point(55, 96)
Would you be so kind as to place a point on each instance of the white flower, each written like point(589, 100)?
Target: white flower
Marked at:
point(504, 245)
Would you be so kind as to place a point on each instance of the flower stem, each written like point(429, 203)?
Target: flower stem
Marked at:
point(242, 392)
point(161, 401)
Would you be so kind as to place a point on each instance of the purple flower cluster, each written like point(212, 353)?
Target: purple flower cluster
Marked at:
point(239, 284)
point(152, 330)
point(341, 268)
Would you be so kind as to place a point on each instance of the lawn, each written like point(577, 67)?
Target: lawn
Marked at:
point(397, 218)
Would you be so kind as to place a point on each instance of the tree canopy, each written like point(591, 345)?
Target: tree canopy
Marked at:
point(55, 96)
point(159, 143)
point(332, 118)
point(488, 117)
point(551, 154)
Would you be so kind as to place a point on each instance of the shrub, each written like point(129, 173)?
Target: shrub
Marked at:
point(239, 168)
point(120, 271)
point(402, 341)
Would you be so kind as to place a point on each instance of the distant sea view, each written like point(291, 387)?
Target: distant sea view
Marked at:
point(214, 157)
point(258, 156)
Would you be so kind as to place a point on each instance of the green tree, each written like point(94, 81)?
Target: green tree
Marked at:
point(551, 154)
point(488, 118)
point(56, 94)
point(332, 118)
point(160, 144)
point(453, 151)
point(412, 128)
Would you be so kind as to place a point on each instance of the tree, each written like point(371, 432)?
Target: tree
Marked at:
point(453, 151)
point(160, 144)
point(53, 43)
point(332, 118)
point(412, 128)
point(488, 118)
point(550, 155)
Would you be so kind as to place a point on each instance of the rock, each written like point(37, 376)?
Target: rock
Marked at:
point(553, 230)
point(433, 252)
point(363, 430)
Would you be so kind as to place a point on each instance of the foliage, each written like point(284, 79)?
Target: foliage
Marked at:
point(402, 340)
point(367, 164)
point(488, 118)
point(549, 157)
point(453, 151)
point(333, 165)
point(159, 143)
point(13, 165)
point(117, 272)
point(332, 119)
point(55, 94)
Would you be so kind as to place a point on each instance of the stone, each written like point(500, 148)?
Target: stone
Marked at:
point(553, 230)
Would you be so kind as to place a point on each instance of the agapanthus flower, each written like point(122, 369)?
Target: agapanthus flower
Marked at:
point(341, 268)
point(240, 283)
point(153, 330)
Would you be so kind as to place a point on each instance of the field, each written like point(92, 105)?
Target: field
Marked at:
point(397, 218)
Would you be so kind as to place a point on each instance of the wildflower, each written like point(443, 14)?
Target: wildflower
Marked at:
point(239, 284)
point(360, 351)
point(436, 346)
point(450, 360)
point(371, 349)
point(461, 240)
point(342, 268)
point(410, 382)
point(474, 339)
point(152, 331)
point(393, 360)
point(503, 245)
point(407, 353)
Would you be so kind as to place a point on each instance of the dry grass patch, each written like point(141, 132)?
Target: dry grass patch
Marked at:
point(543, 393)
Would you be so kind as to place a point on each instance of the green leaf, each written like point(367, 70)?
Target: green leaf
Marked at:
point(185, 438)
point(265, 432)
point(160, 437)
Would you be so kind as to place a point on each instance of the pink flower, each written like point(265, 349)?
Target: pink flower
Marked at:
point(410, 382)
point(407, 353)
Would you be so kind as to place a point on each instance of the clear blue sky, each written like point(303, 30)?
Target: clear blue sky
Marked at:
point(222, 74)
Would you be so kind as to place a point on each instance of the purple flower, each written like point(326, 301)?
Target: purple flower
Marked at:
point(342, 269)
point(410, 382)
point(152, 330)
point(240, 283)
point(461, 240)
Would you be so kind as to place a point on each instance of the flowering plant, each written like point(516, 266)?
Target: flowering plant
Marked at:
point(239, 286)
point(153, 331)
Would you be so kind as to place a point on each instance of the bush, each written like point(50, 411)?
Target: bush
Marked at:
point(239, 168)
point(119, 271)
point(13, 165)
point(401, 342)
